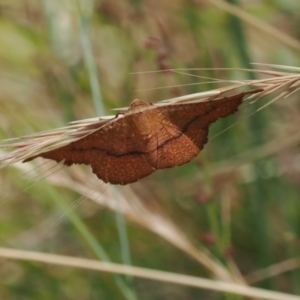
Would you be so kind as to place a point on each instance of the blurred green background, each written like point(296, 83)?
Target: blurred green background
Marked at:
point(238, 200)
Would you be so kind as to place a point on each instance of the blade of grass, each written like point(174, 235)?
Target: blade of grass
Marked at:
point(84, 22)
point(91, 241)
point(98, 105)
point(214, 285)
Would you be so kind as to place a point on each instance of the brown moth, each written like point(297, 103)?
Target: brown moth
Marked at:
point(146, 138)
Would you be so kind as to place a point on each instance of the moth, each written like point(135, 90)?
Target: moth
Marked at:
point(145, 138)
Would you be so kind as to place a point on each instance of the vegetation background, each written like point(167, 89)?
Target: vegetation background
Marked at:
point(238, 201)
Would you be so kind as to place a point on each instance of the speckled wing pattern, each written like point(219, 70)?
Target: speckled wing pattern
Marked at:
point(111, 151)
point(120, 153)
point(185, 133)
